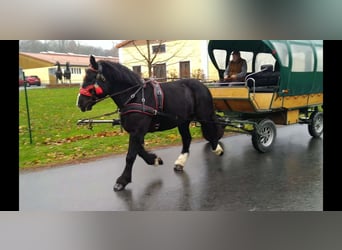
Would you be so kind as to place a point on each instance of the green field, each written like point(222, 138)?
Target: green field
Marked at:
point(57, 139)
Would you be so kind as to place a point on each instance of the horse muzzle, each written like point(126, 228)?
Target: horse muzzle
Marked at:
point(84, 103)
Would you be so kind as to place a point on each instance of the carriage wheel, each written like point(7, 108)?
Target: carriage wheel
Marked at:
point(264, 135)
point(315, 127)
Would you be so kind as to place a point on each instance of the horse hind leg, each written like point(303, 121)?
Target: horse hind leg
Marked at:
point(213, 132)
point(186, 140)
point(148, 157)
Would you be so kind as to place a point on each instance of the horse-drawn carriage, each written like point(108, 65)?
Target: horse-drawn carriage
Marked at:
point(283, 85)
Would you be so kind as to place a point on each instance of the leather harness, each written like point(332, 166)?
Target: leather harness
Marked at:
point(142, 108)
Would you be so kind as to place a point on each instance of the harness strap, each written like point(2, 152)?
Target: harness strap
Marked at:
point(138, 108)
point(144, 109)
point(158, 95)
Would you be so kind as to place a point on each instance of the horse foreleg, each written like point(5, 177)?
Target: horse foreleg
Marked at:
point(186, 140)
point(126, 176)
point(135, 148)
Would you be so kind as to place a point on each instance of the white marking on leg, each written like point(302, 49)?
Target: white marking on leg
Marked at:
point(218, 150)
point(156, 162)
point(182, 159)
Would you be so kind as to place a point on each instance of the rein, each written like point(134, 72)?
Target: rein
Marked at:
point(122, 92)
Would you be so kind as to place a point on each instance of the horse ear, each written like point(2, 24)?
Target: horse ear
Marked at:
point(93, 62)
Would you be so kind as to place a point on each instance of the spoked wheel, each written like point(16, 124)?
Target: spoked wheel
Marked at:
point(264, 135)
point(315, 127)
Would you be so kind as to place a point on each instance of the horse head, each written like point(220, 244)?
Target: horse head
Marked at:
point(93, 86)
point(106, 78)
point(58, 72)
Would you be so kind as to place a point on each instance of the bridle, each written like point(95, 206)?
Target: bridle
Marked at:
point(87, 91)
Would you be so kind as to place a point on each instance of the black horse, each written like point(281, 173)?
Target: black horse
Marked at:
point(59, 73)
point(67, 73)
point(148, 106)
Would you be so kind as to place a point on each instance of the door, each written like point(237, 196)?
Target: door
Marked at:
point(184, 69)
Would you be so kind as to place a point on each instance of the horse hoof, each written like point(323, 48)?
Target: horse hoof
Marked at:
point(118, 187)
point(178, 168)
point(158, 161)
point(219, 150)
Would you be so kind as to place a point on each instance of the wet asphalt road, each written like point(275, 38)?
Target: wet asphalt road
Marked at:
point(289, 178)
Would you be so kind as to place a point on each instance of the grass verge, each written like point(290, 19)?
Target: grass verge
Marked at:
point(58, 140)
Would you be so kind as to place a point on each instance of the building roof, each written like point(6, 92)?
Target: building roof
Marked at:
point(74, 59)
point(127, 43)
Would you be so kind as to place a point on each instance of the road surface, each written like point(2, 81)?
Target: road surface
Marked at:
point(289, 178)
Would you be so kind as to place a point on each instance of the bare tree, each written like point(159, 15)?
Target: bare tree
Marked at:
point(64, 46)
point(151, 57)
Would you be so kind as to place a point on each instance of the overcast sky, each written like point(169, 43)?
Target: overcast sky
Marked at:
point(105, 44)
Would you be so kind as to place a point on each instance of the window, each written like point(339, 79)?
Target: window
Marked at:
point(262, 59)
point(319, 51)
point(302, 58)
point(282, 52)
point(159, 71)
point(137, 70)
point(76, 71)
point(160, 48)
point(220, 58)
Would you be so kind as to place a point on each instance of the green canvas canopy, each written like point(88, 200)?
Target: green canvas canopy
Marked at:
point(300, 62)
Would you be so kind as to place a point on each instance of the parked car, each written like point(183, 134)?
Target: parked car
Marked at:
point(32, 80)
point(21, 82)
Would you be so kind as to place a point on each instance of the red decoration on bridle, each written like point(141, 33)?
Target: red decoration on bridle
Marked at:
point(98, 89)
point(86, 91)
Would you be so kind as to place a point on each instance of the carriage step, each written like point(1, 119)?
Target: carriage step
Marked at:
point(305, 120)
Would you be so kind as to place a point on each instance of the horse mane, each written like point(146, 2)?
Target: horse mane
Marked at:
point(116, 72)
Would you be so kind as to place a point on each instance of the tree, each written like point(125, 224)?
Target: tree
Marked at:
point(64, 46)
point(151, 57)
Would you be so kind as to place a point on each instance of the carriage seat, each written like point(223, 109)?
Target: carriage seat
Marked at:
point(266, 80)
